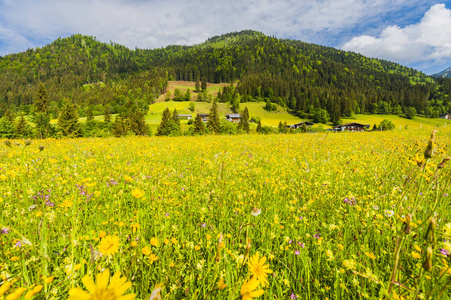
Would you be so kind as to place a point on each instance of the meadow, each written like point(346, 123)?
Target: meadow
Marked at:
point(300, 216)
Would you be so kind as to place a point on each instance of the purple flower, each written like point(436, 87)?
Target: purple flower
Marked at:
point(444, 252)
point(5, 230)
point(293, 296)
point(204, 225)
point(166, 214)
point(297, 252)
point(300, 218)
point(290, 241)
point(316, 236)
point(301, 244)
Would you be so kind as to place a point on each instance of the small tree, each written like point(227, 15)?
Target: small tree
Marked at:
point(21, 128)
point(138, 123)
point(199, 127)
point(192, 106)
point(176, 121)
point(164, 127)
point(213, 123)
point(411, 113)
point(259, 126)
point(89, 114)
point(187, 95)
point(106, 113)
point(244, 121)
point(203, 85)
point(197, 86)
point(68, 119)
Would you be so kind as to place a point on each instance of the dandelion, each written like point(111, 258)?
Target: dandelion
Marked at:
point(137, 193)
point(248, 290)
point(416, 255)
point(109, 245)
point(258, 269)
point(153, 258)
point(146, 250)
point(101, 290)
point(154, 242)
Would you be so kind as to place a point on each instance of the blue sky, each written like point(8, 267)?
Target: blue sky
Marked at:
point(416, 33)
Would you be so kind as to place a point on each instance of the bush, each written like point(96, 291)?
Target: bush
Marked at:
point(386, 125)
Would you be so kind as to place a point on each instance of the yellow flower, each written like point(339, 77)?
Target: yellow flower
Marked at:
point(447, 230)
point(258, 269)
point(33, 292)
point(101, 290)
point(221, 284)
point(248, 290)
point(4, 288)
point(109, 245)
point(49, 279)
point(370, 255)
point(349, 264)
point(153, 258)
point(102, 234)
point(134, 244)
point(154, 242)
point(137, 193)
point(146, 250)
point(16, 294)
point(416, 254)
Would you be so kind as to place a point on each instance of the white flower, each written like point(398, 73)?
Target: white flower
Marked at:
point(389, 213)
point(256, 211)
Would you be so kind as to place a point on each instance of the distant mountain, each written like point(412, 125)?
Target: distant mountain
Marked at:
point(302, 77)
point(443, 74)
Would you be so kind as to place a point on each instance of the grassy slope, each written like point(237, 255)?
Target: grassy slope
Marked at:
point(153, 117)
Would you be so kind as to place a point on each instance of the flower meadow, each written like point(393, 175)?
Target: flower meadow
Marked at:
point(305, 216)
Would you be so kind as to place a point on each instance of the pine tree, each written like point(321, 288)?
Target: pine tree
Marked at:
point(259, 126)
point(41, 103)
point(106, 113)
point(68, 120)
point(213, 121)
point(176, 121)
point(199, 127)
point(244, 121)
point(21, 128)
point(9, 116)
point(89, 114)
point(118, 126)
point(163, 128)
point(197, 86)
point(138, 123)
point(203, 85)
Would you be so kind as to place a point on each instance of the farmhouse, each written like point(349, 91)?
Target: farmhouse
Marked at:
point(446, 116)
point(299, 125)
point(351, 127)
point(204, 117)
point(235, 118)
point(182, 116)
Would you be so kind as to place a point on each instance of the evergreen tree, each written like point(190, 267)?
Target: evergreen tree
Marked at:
point(164, 127)
point(138, 123)
point(199, 127)
point(176, 121)
point(118, 126)
point(188, 95)
point(203, 85)
point(21, 128)
point(68, 120)
point(9, 116)
point(213, 123)
point(89, 114)
point(40, 116)
point(244, 121)
point(259, 126)
point(106, 113)
point(197, 86)
point(41, 103)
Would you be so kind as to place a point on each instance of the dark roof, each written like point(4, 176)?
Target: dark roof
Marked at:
point(233, 115)
point(352, 125)
point(204, 115)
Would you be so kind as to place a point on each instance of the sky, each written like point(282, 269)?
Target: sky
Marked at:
point(415, 33)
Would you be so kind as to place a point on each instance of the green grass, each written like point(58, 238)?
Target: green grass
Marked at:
point(416, 123)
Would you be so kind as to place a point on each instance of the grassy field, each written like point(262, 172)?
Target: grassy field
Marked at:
point(312, 216)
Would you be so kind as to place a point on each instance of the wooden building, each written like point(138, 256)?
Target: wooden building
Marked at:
point(446, 116)
point(205, 117)
point(299, 125)
point(182, 116)
point(351, 127)
point(235, 118)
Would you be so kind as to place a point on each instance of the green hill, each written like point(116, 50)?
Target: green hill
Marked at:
point(302, 78)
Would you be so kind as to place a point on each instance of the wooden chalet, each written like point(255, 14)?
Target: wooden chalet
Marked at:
point(351, 127)
point(299, 125)
point(445, 116)
point(204, 117)
point(182, 116)
point(235, 118)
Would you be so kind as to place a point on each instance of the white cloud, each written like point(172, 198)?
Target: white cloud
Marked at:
point(426, 43)
point(155, 23)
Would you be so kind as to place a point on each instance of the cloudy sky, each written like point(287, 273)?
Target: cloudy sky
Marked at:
point(416, 33)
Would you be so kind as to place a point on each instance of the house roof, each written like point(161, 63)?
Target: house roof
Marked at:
point(305, 122)
point(233, 115)
point(352, 125)
point(184, 115)
point(204, 115)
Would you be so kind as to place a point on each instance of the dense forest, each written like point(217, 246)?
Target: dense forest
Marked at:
point(99, 78)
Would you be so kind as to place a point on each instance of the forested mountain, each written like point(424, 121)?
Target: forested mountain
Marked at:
point(303, 77)
point(443, 74)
